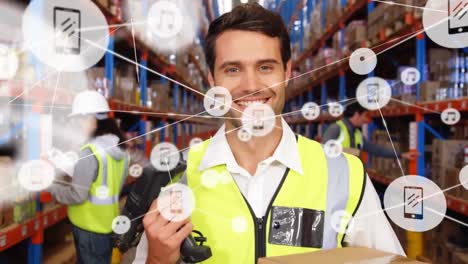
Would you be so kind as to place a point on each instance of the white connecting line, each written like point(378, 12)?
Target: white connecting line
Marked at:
point(412, 6)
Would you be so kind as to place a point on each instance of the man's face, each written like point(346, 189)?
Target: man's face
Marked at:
point(362, 118)
point(249, 65)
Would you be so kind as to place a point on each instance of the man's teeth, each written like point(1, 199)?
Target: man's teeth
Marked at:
point(247, 103)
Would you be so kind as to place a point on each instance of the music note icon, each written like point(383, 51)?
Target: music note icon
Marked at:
point(411, 77)
point(218, 99)
point(451, 117)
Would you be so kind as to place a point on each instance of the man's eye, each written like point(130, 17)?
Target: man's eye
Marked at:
point(266, 68)
point(232, 70)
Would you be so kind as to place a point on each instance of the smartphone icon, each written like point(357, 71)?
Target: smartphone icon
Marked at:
point(176, 206)
point(258, 123)
point(67, 30)
point(372, 93)
point(413, 202)
point(458, 17)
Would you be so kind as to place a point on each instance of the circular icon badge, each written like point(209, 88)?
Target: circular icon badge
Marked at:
point(102, 192)
point(445, 23)
point(415, 203)
point(464, 176)
point(362, 61)
point(333, 148)
point(342, 221)
point(335, 109)
point(217, 101)
point(224, 177)
point(195, 141)
point(310, 111)
point(239, 224)
point(176, 202)
point(210, 178)
point(67, 35)
point(410, 76)
point(9, 62)
point(259, 119)
point(450, 116)
point(244, 134)
point(121, 224)
point(135, 170)
point(165, 156)
point(36, 175)
point(165, 19)
point(373, 93)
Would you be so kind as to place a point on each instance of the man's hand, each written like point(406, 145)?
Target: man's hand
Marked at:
point(164, 237)
point(410, 155)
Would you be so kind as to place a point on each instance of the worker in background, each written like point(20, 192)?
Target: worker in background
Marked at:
point(348, 132)
point(98, 176)
point(276, 180)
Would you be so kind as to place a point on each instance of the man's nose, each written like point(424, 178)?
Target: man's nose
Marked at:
point(250, 81)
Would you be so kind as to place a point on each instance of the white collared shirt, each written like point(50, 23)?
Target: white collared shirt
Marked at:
point(371, 227)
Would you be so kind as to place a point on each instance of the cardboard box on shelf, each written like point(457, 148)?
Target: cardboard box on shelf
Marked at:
point(160, 97)
point(452, 179)
point(428, 90)
point(125, 90)
point(6, 214)
point(24, 210)
point(460, 258)
point(445, 151)
point(338, 256)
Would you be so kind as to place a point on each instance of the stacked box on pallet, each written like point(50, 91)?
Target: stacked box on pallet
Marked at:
point(375, 21)
point(418, 12)
point(443, 242)
point(427, 90)
point(24, 207)
point(160, 97)
point(317, 28)
point(460, 258)
point(333, 13)
point(355, 34)
point(439, 67)
point(444, 167)
point(6, 214)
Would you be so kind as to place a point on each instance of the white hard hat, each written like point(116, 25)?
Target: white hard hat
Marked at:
point(89, 102)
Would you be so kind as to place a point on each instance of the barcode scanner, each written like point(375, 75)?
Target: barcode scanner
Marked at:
point(145, 189)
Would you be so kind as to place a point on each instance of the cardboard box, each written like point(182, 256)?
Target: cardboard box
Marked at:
point(428, 90)
point(6, 214)
point(340, 256)
point(460, 258)
point(444, 152)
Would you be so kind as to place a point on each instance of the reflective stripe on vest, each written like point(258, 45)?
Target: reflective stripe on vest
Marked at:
point(234, 233)
point(96, 214)
point(345, 139)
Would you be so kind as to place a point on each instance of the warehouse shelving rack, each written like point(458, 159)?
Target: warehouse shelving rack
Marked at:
point(33, 229)
point(419, 111)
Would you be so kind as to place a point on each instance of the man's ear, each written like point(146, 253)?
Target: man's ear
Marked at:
point(211, 79)
point(288, 71)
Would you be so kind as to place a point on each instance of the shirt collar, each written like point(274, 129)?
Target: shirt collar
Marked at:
point(219, 152)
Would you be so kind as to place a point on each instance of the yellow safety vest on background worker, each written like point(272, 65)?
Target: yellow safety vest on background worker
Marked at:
point(345, 137)
point(96, 214)
point(236, 235)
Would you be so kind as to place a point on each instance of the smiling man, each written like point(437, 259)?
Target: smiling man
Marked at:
point(273, 195)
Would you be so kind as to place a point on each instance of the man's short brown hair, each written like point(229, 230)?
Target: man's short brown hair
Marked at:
point(249, 17)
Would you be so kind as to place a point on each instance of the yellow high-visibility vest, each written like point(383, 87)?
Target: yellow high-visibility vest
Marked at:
point(345, 138)
point(96, 214)
point(236, 235)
